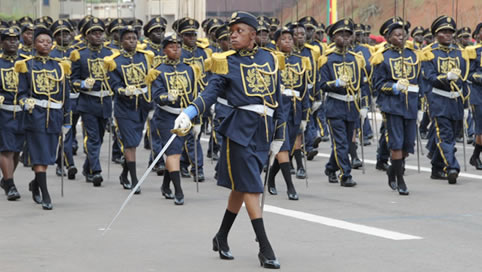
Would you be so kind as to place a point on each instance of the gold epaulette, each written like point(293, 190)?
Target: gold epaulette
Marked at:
point(314, 49)
point(377, 57)
point(149, 56)
point(78, 37)
point(280, 58)
point(209, 51)
point(75, 55)
point(65, 66)
point(409, 45)
point(109, 62)
point(208, 63)
point(141, 46)
point(306, 63)
point(106, 43)
point(220, 62)
point(427, 54)
point(471, 51)
point(152, 75)
point(21, 65)
point(322, 60)
point(203, 43)
point(196, 70)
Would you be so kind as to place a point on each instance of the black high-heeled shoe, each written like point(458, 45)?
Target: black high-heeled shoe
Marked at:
point(264, 262)
point(35, 192)
point(293, 196)
point(167, 193)
point(223, 254)
point(47, 206)
point(125, 182)
point(272, 190)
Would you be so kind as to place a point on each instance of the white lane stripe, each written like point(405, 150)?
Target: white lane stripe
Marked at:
point(411, 167)
point(387, 234)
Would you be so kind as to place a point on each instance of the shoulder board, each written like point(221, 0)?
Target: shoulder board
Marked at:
point(75, 55)
point(21, 65)
point(280, 57)
point(109, 62)
point(306, 63)
point(471, 51)
point(322, 60)
point(152, 75)
point(409, 45)
point(268, 49)
point(25, 56)
point(202, 43)
point(427, 54)
point(208, 63)
point(20, 46)
point(78, 37)
point(141, 46)
point(148, 54)
point(273, 42)
point(220, 62)
point(65, 66)
point(330, 50)
point(377, 57)
point(315, 49)
point(106, 43)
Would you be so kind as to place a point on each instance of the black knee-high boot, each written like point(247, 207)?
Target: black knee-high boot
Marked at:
point(165, 190)
point(398, 170)
point(271, 178)
point(178, 194)
point(41, 178)
point(131, 165)
point(285, 169)
point(124, 181)
point(266, 254)
point(220, 241)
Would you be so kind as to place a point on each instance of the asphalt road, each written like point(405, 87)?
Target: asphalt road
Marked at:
point(438, 227)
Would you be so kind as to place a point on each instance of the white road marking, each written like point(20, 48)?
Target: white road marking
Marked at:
point(387, 234)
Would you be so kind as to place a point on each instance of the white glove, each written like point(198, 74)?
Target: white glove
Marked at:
point(452, 75)
point(466, 114)
point(182, 121)
point(65, 129)
point(316, 105)
point(401, 86)
point(196, 130)
point(129, 91)
point(212, 109)
point(340, 82)
point(274, 149)
point(419, 116)
point(150, 115)
point(363, 113)
point(87, 84)
point(172, 97)
point(303, 125)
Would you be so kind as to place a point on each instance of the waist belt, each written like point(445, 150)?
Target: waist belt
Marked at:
point(451, 95)
point(290, 92)
point(223, 101)
point(316, 105)
point(412, 89)
point(140, 91)
point(74, 95)
point(46, 104)
point(14, 108)
point(97, 93)
point(170, 109)
point(346, 98)
point(258, 108)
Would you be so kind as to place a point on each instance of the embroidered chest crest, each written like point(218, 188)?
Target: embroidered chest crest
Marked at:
point(45, 82)
point(402, 71)
point(96, 68)
point(256, 79)
point(134, 74)
point(9, 79)
point(290, 76)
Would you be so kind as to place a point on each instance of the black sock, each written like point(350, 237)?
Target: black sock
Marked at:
point(264, 245)
point(298, 158)
point(352, 150)
point(272, 173)
point(131, 166)
point(166, 181)
point(176, 180)
point(226, 225)
point(41, 178)
point(477, 150)
point(125, 170)
point(285, 169)
point(7, 183)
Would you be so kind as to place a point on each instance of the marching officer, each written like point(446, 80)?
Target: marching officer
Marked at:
point(95, 100)
point(175, 85)
point(476, 99)
point(26, 47)
point(417, 35)
point(127, 72)
point(396, 76)
point(445, 70)
point(11, 113)
point(248, 76)
point(193, 53)
point(296, 107)
point(341, 75)
point(62, 32)
point(113, 30)
point(47, 109)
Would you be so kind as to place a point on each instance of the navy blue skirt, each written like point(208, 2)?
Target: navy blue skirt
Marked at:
point(130, 131)
point(42, 147)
